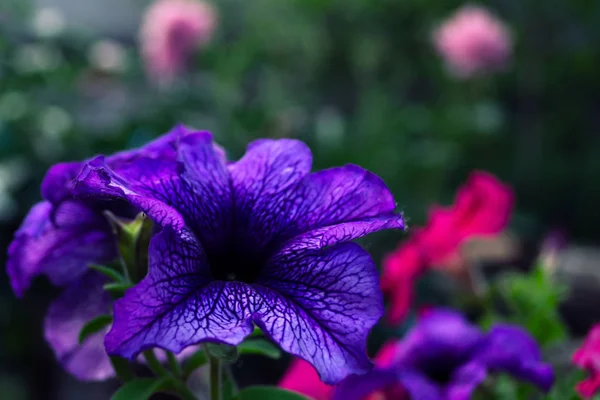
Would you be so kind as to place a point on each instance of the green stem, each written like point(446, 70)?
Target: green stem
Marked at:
point(156, 366)
point(122, 369)
point(215, 378)
point(182, 390)
point(174, 364)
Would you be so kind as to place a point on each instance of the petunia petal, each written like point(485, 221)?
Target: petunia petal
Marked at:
point(419, 386)
point(344, 232)
point(82, 301)
point(586, 358)
point(320, 307)
point(98, 180)
point(301, 377)
point(349, 195)
point(358, 387)
point(440, 335)
point(204, 174)
point(465, 380)
point(511, 349)
point(196, 184)
point(58, 242)
point(263, 181)
point(167, 309)
point(333, 301)
point(58, 182)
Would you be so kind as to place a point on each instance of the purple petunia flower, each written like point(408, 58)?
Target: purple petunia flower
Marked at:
point(257, 241)
point(444, 357)
point(59, 238)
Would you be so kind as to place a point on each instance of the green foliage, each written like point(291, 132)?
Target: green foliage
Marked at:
point(564, 388)
point(531, 300)
point(261, 347)
point(140, 388)
point(268, 393)
point(192, 363)
point(93, 326)
point(222, 351)
point(109, 272)
point(117, 289)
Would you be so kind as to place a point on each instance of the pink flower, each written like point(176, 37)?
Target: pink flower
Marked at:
point(482, 208)
point(473, 41)
point(170, 31)
point(587, 357)
point(301, 377)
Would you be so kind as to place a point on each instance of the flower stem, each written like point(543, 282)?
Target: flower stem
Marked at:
point(174, 364)
point(215, 378)
point(122, 369)
point(156, 366)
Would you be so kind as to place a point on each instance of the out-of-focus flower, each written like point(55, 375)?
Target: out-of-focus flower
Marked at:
point(444, 357)
point(260, 240)
point(301, 377)
point(48, 22)
point(59, 238)
point(170, 31)
point(587, 357)
point(107, 55)
point(482, 207)
point(553, 244)
point(473, 42)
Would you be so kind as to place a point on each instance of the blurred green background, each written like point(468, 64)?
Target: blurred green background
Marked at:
point(358, 80)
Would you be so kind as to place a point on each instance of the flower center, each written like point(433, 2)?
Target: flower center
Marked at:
point(235, 264)
point(441, 372)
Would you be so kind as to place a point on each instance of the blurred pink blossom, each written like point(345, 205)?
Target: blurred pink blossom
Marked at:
point(587, 357)
point(482, 208)
point(473, 42)
point(170, 31)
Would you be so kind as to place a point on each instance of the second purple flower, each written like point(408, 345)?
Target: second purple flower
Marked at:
point(258, 241)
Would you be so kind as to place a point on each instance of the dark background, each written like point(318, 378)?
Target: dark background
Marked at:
point(358, 80)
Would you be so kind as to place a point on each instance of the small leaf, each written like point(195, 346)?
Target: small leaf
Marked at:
point(118, 289)
point(196, 361)
point(268, 393)
point(224, 352)
point(260, 346)
point(94, 326)
point(256, 332)
point(109, 272)
point(140, 389)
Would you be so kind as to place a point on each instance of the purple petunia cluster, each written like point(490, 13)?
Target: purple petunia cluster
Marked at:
point(261, 241)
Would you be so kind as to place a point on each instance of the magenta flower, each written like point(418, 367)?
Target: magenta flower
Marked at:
point(444, 357)
point(587, 357)
point(482, 207)
point(473, 42)
point(170, 31)
point(60, 237)
point(257, 241)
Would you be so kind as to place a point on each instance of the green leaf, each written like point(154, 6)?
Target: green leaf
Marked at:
point(224, 352)
point(268, 393)
point(123, 368)
point(257, 332)
point(196, 361)
point(94, 326)
point(532, 301)
point(113, 274)
point(260, 346)
point(118, 289)
point(140, 389)
point(229, 389)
